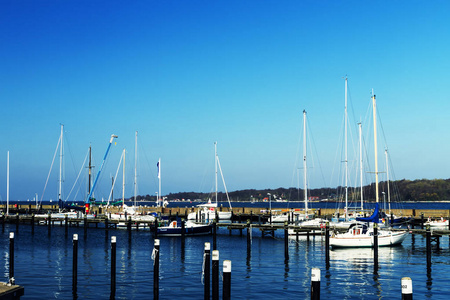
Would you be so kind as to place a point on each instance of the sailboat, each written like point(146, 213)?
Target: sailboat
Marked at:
point(306, 218)
point(130, 211)
point(361, 234)
point(209, 210)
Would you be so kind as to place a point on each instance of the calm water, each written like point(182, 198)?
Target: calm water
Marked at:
point(43, 265)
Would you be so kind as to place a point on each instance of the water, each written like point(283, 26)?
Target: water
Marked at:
point(43, 265)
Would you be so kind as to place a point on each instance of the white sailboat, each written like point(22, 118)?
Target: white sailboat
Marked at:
point(361, 234)
point(305, 217)
point(209, 210)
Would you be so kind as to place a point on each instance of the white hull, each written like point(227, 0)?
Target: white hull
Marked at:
point(356, 237)
point(208, 214)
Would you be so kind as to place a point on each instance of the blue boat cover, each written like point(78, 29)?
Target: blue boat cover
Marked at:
point(373, 218)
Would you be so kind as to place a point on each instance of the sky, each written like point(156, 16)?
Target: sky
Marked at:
point(185, 74)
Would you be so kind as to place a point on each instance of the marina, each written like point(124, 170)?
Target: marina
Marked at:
point(43, 260)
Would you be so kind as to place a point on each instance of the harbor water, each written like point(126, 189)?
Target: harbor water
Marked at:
point(43, 265)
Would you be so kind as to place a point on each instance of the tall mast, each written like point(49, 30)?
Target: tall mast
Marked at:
point(7, 184)
point(305, 182)
point(123, 179)
point(215, 164)
point(387, 175)
point(374, 104)
point(90, 169)
point(135, 167)
point(361, 164)
point(159, 177)
point(60, 163)
point(346, 153)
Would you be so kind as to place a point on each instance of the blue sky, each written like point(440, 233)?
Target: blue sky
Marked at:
point(187, 73)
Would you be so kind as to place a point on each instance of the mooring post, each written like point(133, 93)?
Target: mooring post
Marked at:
point(183, 230)
point(106, 224)
point(315, 284)
point(286, 241)
point(85, 225)
point(17, 222)
point(407, 290)
point(129, 225)
point(156, 227)
point(421, 221)
point(32, 223)
point(375, 247)
point(327, 245)
point(226, 289)
point(207, 271)
point(214, 235)
point(49, 223)
point(155, 256)
point(66, 224)
point(428, 241)
point(75, 263)
point(3, 223)
point(113, 267)
point(11, 258)
point(270, 217)
point(249, 238)
point(215, 275)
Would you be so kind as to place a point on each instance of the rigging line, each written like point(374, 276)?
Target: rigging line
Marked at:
point(51, 166)
point(296, 166)
point(317, 153)
point(150, 166)
point(223, 180)
point(79, 173)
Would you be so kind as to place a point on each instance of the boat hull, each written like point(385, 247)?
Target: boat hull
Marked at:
point(385, 239)
point(188, 230)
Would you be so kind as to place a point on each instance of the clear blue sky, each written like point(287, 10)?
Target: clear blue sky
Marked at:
point(187, 73)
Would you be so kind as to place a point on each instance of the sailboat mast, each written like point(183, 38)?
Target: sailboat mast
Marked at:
point(361, 164)
point(374, 104)
point(215, 164)
point(60, 163)
point(346, 153)
point(123, 179)
point(135, 167)
point(387, 177)
point(159, 177)
point(305, 182)
point(90, 169)
point(7, 184)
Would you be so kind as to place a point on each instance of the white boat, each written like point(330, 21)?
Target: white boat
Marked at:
point(437, 223)
point(190, 229)
point(209, 211)
point(360, 234)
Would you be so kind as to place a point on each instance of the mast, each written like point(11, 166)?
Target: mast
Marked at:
point(215, 164)
point(90, 169)
point(135, 167)
point(361, 164)
point(88, 200)
point(7, 184)
point(305, 183)
point(123, 179)
point(374, 104)
point(159, 177)
point(346, 153)
point(60, 164)
point(387, 175)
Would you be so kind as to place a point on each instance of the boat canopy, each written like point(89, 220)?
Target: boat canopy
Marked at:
point(373, 218)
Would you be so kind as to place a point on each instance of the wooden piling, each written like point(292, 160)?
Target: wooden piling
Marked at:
point(11, 258)
point(315, 284)
point(215, 275)
point(75, 264)
point(375, 247)
point(49, 223)
point(156, 270)
point(407, 290)
point(286, 242)
point(428, 242)
point(327, 245)
point(207, 271)
point(215, 235)
point(66, 225)
point(32, 223)
point(17, 222)
point(113, 267)
point(226, 289)
point(249, 238)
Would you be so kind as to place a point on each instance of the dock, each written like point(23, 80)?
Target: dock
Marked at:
point(10, 292)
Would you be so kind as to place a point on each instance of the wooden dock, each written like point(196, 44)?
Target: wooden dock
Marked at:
point(11, 292)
